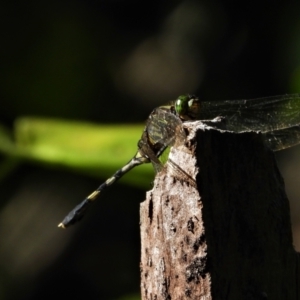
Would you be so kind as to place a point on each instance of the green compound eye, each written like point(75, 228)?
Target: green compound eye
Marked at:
point(181, 105)
point(187, 107)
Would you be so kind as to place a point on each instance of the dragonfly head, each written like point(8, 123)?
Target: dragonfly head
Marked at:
point(187, 107)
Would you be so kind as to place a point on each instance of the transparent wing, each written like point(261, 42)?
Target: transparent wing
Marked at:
point(284, 138)
point(161, 129)
point(262, 114)
point(277, 117)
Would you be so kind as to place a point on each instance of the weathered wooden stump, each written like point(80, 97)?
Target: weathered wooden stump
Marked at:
point(220, 230)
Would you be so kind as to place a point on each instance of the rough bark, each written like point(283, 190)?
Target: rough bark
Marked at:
point(221, 230)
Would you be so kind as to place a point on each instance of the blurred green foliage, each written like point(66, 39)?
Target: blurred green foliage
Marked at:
point(130, 297)
point(95, 150)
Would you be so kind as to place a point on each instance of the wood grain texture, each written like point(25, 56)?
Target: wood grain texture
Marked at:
point(222, 230)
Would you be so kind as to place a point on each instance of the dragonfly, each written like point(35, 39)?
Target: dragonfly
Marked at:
point(276, 117)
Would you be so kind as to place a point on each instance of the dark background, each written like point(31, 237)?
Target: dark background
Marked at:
point(112, 62)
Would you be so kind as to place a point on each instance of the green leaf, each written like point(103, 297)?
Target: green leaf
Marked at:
point(96, 150)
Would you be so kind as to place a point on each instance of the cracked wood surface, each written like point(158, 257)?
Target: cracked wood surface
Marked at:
point(221, 229)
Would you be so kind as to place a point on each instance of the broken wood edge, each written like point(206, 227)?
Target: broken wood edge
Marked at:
point(180, 258)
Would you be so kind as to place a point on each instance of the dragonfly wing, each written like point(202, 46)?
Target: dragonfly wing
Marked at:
point(284, 138)
point(262, 114)
point(162, 127)
point(159, 133)
point(145, 150)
